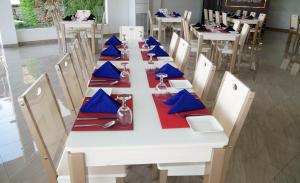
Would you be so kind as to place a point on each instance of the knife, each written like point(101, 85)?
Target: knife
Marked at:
point(102, 118)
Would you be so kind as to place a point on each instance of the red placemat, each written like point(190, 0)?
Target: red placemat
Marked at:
point(146, 57)
point(172, 120)
point(152, 81)
point(110, 58)
point(116, 127)
point(94, 82)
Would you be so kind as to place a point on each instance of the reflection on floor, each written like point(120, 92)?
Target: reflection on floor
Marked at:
point(267, 151)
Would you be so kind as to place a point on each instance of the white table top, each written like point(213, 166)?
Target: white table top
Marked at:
point(253, 21)
point(169, 19)
point(216, 35)
point(148, 142)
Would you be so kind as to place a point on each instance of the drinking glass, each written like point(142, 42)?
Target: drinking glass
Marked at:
point(146, 46)
point(124, 113)
point(161, 87)
point(125, 73)
point(150, 61)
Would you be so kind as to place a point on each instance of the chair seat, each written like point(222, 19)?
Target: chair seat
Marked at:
point(183, 169)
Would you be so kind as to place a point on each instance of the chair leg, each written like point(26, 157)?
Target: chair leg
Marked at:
point(163, 176)
point(154, 172)
point(121, 180)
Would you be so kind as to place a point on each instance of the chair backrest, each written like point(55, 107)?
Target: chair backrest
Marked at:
point(150, 17)
point(205, 14)
point(203, 76)
point(233, 102)
point(245, 13)
point(173, 44)
point(186, 31)
point(132, 32)
point(253, 14)
point(244, 34)
point(211, 15)
point(80, 68)
point(185, 14)
point(69, 83)
point(238, 12)
point(261, 19)
point(236, 25)
point(81, 59)
point(89, 56)
point(224, 18)
point(45, 121)
point(182, 54)
point(188, 17)
point(217, 13)
point(294, 21)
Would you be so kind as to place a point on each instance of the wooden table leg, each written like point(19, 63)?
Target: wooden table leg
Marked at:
point(93, 29)
point(288, 43)
point(234, 54)
point(159, 30)
point(63, 38)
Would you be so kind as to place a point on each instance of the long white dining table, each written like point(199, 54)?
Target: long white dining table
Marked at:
point(147, 143)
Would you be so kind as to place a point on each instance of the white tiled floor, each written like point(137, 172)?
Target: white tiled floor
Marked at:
point(268, 149)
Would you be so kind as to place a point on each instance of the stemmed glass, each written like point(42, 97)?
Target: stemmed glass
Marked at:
point(124, 43)
point(161, 87)
point(146, 46)
point(150, 61)
point(125, 73)
point(124, 113)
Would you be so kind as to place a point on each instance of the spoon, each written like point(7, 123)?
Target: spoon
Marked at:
point(105, 125)
point(103, 83)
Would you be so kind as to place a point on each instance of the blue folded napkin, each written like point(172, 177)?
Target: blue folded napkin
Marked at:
point(107, 70)
point(160, 14)
point(152, 41)
point(111, 51)
point(113, 40)
point(183, 101)
point(159, 52)
point(100, 103)
point(171, 71)
point(175, 14)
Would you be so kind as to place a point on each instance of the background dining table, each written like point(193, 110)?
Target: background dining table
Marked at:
point(148, 142)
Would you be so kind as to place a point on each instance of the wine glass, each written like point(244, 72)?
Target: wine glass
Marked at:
point(150, 61)
point(125, 73)
point(146, 46)
point(161, 87)
point(124, 113)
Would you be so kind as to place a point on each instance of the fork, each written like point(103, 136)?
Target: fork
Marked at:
point(188, 115)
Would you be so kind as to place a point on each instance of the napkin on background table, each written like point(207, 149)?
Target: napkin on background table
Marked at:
point(113, 40)
point(160, 14)
point(100, 103)
point(175, 14)
point(183, 102)
point(222, 25)
point(111, 51)
point(91, 17)
point(202, 28)
point(68, 18)
point(107, 70)
point(159, 52)
point(229, 28)
point(171, 71)
point(152, 41)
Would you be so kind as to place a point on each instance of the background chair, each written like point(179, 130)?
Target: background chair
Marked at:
point(237, 25)
point(154, 27)
point(177, 27)
point(245, 13)
point(233, 102)
point(253, 14)
point(205, 14)
point(257, 30)
point(224, 19)
point(203, 76)
point(132, 32)
point(211, 15)
point(218, 21)
point(89, 56)
point(69, 83)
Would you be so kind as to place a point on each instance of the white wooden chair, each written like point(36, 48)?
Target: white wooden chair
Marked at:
point(194, 43)
point(178, 26)
point(132, 33)
point(218, 18)
point(182, 54)
point(238, 12)
point(173, 45)
point(253, 14)
point(154, 27)
point(46, 125)
point(233, 102)
point(257, 30)
point(237, 25)
point(69, 82)
point(211, 15)
point(79, 65)
point(205, 14)
point(229, 51)
point(245, 13)
point(294, 26)
point(224, 19)
point(89, 57)
point(203, 76)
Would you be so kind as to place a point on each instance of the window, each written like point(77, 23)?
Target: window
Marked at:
point(35, 13)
